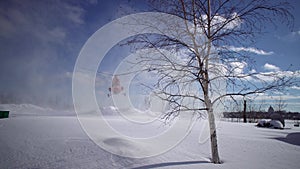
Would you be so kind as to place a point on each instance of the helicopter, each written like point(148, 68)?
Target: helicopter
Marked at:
point(116, 87)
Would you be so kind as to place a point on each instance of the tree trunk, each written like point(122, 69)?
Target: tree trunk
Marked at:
point(209, 106)
point(213, 135)
point(244, 112)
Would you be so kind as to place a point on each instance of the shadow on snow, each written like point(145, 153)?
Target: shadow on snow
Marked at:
point(292, 138)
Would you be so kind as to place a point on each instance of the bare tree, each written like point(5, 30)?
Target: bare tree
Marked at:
point(280, 104)
point(261, 106)
point(212, 63)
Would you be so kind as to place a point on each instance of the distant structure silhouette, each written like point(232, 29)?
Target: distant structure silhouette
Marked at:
point(276, 115)
point(271, 110)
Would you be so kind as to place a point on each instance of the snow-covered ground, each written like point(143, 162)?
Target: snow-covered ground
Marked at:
point(34, 137)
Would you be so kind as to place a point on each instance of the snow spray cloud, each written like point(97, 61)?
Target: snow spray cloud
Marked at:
point(84, 98)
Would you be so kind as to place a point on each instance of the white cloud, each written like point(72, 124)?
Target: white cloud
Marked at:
point(29, 19)
point(238, 67)
point(252, 71)
point(249, 49)
point(271, 67)
point(219, 21)
point(283, 97)
point(269, 96)
point(272, 75)
point(290, 37)
point(74, 13)
point(58, 33)
point(295, 87)
point(296, 33)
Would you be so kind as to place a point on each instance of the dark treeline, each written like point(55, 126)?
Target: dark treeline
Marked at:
point(255, 115)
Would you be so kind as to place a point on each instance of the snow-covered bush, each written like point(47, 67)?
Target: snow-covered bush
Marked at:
point(262, 123)
point(270, 124)
point(276, 124)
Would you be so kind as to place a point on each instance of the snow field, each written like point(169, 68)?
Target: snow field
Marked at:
point(58, 141)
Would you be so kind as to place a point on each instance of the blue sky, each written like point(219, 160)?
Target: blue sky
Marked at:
point(40, 41)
